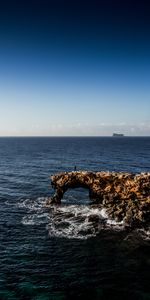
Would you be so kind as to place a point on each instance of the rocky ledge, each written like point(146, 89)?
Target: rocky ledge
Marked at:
point(125, 196)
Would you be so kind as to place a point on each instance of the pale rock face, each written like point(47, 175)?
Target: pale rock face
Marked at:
point(125, 196)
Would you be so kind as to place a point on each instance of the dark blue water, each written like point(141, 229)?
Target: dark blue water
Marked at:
point(50, 253)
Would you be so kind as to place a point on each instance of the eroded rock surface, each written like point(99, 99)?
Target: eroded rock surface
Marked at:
point(125, 196)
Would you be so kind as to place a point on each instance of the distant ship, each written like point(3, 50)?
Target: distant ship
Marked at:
point(118, 134)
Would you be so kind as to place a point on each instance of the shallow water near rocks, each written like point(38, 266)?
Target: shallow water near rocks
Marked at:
point(71, 251)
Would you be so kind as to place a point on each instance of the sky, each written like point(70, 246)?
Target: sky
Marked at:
point(74, 68)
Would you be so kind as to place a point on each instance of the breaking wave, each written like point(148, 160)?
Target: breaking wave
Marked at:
point(67, 221)
point(70, 220)
point(78, 221)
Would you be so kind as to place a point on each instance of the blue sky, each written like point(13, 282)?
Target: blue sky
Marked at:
point(73, 69)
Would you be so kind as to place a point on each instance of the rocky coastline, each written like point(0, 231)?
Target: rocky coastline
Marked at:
point(125, 196)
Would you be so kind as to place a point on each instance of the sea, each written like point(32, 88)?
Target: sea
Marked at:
point(58, 252)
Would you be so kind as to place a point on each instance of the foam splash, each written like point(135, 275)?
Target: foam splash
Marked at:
point(36, 219)
point(36, 213)
point(70, 220)
point(75, 221)
point(37, 204)
point(66, 221)
point(79, 222)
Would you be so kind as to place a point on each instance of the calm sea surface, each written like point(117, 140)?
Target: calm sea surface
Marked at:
point(57, 253)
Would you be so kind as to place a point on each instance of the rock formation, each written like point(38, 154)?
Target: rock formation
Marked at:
point(125, 196)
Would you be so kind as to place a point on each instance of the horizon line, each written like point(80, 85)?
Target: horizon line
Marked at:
point(65, 136)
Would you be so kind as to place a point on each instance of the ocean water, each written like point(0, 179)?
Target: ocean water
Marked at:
point(72, 251)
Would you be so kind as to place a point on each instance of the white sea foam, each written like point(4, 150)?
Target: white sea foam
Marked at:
point(35, 219)
point(33, 204)
point(79, 221)
point(70, 221)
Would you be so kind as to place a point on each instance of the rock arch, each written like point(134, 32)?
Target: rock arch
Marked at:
point(125, 196)
point(65, 183)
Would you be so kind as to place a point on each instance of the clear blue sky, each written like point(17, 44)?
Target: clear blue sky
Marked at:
point(74, 69)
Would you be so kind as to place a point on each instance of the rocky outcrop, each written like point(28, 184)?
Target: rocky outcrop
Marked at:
point(125, 196)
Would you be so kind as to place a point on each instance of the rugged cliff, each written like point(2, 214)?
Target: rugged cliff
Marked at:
point(125, 196)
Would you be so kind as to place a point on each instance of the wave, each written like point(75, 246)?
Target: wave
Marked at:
point(66, 221)
point(37, 204)
point(78, 221)
point(36, 219)
point(70, 220)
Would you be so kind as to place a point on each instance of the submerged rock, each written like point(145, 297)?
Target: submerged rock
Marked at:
point(125, 196)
